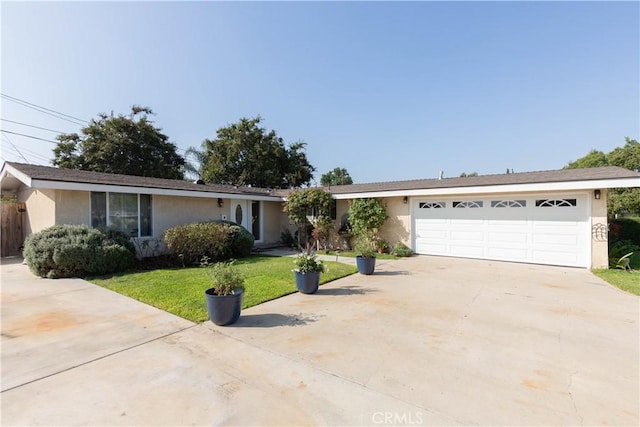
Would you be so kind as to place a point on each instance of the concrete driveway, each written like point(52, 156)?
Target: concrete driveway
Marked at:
point(424, 341)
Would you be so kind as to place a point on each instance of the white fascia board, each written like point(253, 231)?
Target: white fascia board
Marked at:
point(9, 170)
point(77, 186)
point(495, 189)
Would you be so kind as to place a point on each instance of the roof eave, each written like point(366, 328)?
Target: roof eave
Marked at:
point(82, 186)
point(499, 188)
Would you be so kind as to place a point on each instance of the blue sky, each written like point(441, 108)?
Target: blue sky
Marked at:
point(387, 90)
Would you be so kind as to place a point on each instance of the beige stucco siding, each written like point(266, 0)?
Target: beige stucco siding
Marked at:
point(41, 209)
point(599, 226)
point(397, 228)
point(272, 222)
point(169, 211)
point(73, 207)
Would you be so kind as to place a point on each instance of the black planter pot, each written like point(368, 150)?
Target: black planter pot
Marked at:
point(366, 265)
point(224, 310)
point(307, 283)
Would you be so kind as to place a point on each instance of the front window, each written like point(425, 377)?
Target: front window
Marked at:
point(129, 213)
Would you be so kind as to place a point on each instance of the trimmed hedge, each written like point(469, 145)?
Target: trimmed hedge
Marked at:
point(78, 251)
point(217, 240)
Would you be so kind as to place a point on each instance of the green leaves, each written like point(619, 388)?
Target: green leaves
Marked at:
point(128, 145)
point(367, 215)
point(308, 202)
point(628, 156)
point(338, 176)
point(244, 153)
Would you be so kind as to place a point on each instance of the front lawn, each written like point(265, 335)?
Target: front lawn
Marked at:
point(625, 280)
point(181, 291)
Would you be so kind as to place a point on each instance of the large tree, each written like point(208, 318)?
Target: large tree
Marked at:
point(627, 156)
point(338, 176)
point(244, 153)
point(129, 145)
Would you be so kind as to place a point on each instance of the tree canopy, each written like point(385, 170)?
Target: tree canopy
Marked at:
point(244, 153)
point(129, 145)
point(627, 156)
point(338, 176)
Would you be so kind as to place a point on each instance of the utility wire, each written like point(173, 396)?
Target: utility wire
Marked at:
point(16, 148)
point(31, 126)
point(45, 110)
point(30, 153)
point(28, 136)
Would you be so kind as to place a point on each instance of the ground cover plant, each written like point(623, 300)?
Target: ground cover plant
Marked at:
point(181, 291)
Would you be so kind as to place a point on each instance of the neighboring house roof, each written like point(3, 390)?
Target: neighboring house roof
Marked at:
point(13, 175)
point(564, 179)
point(51, 177)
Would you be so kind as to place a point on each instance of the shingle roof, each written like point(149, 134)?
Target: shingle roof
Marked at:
point(563, 175)
point(48, 173)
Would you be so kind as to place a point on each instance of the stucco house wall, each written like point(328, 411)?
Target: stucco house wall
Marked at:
point(274, 221)
point(41, 208)
point(599, 227)
point(170, 211)
point(397, 228)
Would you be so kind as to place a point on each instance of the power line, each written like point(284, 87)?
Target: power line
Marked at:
point(45, 110)
point(28, 136)
point(31, 126)
point(16, 148)
point(31, 153)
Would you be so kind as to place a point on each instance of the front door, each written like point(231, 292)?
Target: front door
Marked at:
point(239, 213)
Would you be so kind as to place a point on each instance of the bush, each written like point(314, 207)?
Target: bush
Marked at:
point(622, 248)
point(78, 251)
point(401, 250)
point(216, 240)
point(625, 229)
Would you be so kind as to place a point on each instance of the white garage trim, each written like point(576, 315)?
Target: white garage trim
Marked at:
point(545, 228)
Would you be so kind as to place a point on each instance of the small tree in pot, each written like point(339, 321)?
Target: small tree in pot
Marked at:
point(366, 216)
point(224, 298)
point(307, 271)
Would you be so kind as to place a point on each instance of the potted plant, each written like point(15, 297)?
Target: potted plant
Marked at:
point(365, 248)
point(224, 298)
point(366, 216)
point(307, 272)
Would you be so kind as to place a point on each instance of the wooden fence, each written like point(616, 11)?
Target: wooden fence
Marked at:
point(12, 231)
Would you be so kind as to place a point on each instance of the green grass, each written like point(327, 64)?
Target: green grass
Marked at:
point(181, 291)
point(625, 280)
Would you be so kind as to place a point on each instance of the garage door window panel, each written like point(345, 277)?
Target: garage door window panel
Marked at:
point(556, 203)
point(508, 203)
point(468, 204)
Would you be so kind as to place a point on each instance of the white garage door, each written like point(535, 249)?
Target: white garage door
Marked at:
point(542, 229)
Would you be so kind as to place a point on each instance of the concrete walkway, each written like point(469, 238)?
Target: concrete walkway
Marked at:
point(424, 341)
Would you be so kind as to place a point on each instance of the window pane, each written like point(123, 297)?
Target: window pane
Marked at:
point(98, 210)
point(145, 215)
point(123, 212)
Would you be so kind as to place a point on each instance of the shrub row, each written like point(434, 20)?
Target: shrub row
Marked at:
point(217, 240)
point(77, 251)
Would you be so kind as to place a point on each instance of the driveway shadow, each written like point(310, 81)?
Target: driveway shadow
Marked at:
point(272, 320)
point(391, 273)
point(345, 290)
